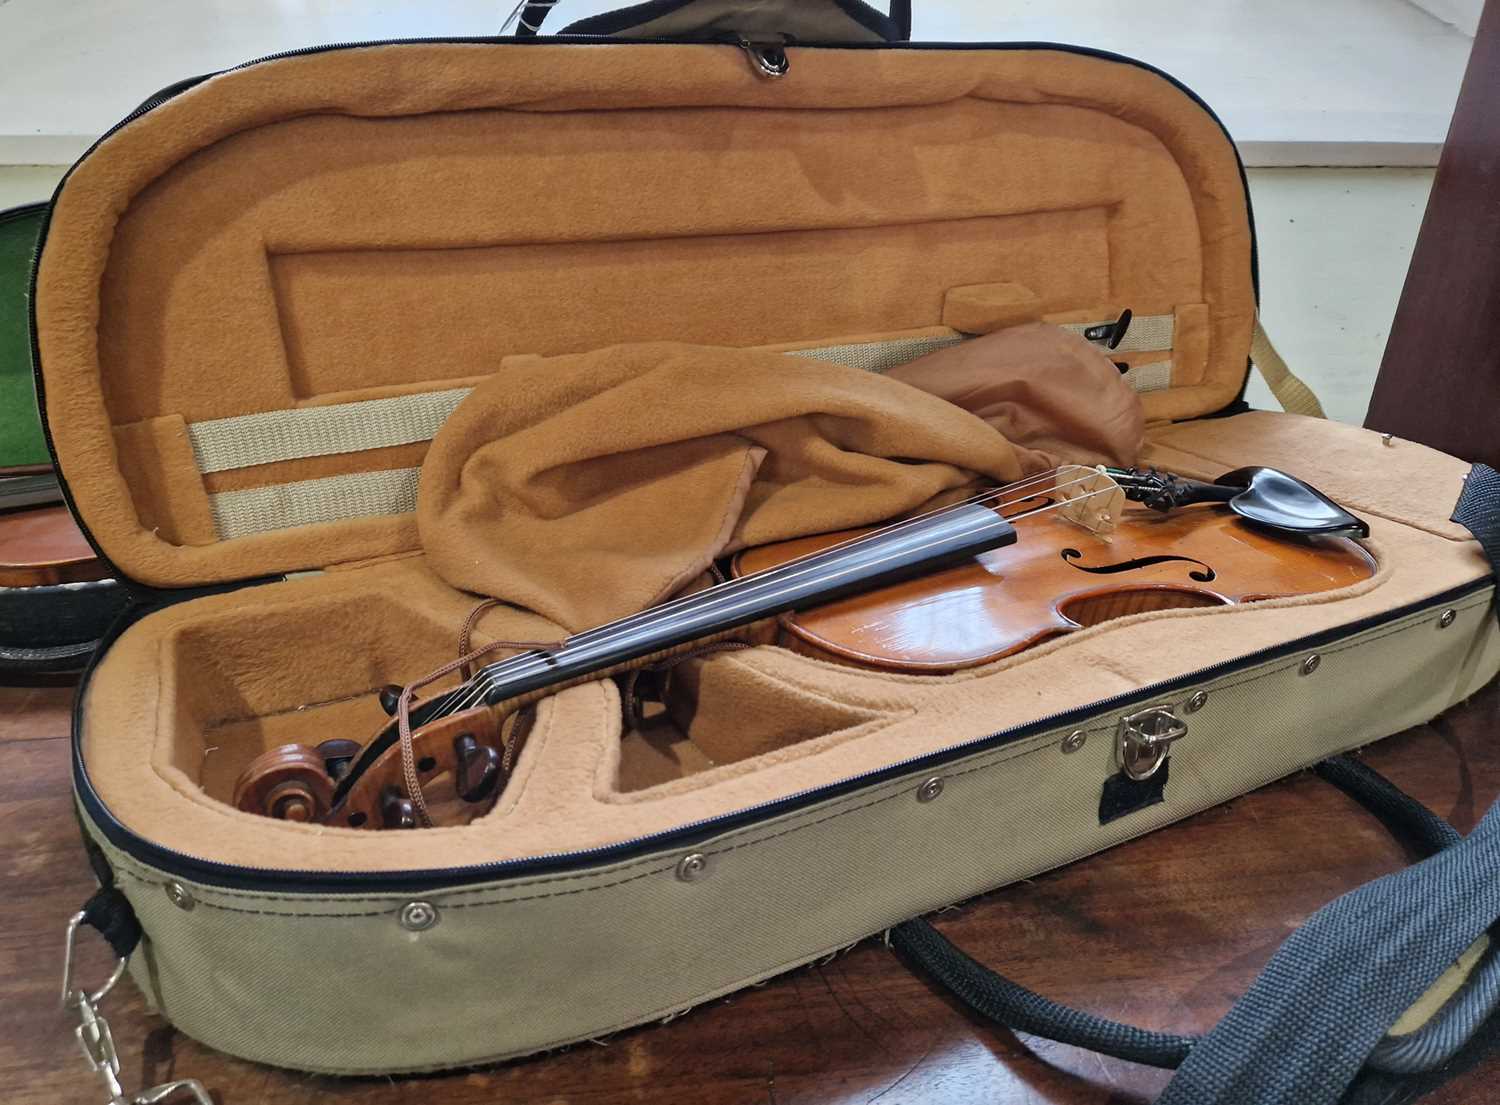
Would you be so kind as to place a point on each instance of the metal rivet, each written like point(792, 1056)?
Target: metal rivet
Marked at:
point(1310, 665)
point(418, 916)
point(1074, 740)
point(930, 789)
point(692, 867)
point(180, 896)
point(1447, 619)
point(1196, 703)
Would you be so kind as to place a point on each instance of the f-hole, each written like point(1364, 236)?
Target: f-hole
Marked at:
point(1204, 574)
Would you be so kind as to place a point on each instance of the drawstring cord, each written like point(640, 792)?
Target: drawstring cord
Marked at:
point(466, 658)
point(464, 666)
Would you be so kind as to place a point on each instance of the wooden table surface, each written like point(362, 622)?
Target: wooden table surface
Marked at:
point(1164, 931)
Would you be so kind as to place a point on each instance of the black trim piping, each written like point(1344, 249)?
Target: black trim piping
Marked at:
point(212, 873)
point(22, 210)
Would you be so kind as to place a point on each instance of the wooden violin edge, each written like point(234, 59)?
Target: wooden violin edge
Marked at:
point(1057, 579)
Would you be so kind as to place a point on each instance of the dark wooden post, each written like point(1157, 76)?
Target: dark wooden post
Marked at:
point(1439, 382)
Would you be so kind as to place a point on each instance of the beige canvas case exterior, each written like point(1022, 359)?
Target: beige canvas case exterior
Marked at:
point(521, 965)
point(592, 909)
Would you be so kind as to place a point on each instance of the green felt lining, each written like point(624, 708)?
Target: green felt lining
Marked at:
point(21, 440)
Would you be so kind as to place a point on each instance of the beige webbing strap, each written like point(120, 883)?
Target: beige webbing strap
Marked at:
point(244, 441)
point(222, 444)
point(878, 356)
point(1294, 396)
point(1145, 334)
point(280, 506)
point(1156, 376)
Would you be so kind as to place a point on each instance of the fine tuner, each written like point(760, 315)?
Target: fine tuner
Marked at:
point(971, 582)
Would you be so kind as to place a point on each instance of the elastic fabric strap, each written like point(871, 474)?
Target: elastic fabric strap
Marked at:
point(465, 659)
point(110, 914)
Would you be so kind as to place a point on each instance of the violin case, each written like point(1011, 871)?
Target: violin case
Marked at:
point(259, 296)
point(53, 605)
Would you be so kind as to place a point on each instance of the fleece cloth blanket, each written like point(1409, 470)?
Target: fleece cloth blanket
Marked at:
point(586, 487)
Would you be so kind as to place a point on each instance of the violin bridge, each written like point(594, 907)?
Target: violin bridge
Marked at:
point(1091, 499)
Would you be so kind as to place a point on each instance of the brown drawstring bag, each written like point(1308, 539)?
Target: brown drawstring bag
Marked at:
point(588, 486)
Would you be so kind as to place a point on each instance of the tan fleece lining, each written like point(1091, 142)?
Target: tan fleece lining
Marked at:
point(364, 223)
point(392, 219)
point(188, 694)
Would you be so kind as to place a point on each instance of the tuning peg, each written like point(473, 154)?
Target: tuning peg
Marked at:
point(397, 810)
point(390, 698)
point(478, 768)
point(338, 754)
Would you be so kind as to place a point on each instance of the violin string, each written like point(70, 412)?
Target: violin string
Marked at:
point(1010, 489)
point(473, 692)
point(1009, 493)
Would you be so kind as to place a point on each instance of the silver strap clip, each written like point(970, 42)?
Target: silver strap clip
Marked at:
point(98, 1045)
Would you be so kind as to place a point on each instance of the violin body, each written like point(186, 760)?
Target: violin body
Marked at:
point(42, 546)
point(1058, 578)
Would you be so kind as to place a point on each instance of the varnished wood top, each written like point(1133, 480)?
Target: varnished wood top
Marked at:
point(1163, 931)
point(1058, 576)
point(43, 545)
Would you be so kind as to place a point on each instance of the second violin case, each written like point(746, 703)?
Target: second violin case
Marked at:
point(55, 599)
point(262, 294)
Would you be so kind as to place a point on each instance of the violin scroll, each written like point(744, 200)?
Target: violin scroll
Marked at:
point(461, 763)
point(290, 783)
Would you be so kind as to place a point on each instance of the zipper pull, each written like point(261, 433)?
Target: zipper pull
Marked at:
point(768, 59)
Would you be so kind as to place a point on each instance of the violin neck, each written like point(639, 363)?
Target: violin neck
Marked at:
point(885, 556)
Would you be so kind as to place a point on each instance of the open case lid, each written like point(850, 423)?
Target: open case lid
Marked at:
point(258, 298)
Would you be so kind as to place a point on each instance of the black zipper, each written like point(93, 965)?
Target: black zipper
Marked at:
point(171, 91)
point(149, 599)
point(211, 873)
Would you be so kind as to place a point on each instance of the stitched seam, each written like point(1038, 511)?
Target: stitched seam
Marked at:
point(1029, 747)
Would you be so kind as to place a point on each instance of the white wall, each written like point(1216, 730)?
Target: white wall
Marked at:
point(1463, 14)
point(1297, 82)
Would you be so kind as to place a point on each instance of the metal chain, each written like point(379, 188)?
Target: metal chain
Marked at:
point(98, 1043)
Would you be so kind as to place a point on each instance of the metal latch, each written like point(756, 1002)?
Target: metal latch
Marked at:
point(99, 1046)
point(767, 58)
point(1146, 738)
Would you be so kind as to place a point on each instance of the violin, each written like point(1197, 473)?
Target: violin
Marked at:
point(1159, 557)
point(952, 588)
